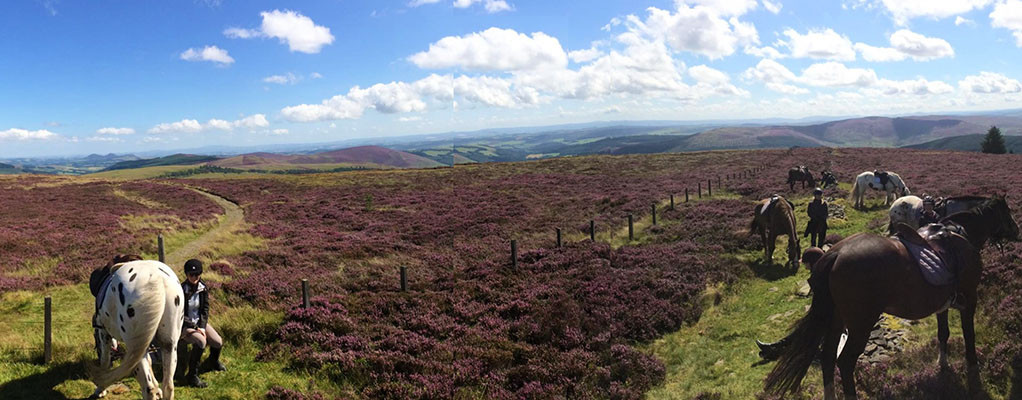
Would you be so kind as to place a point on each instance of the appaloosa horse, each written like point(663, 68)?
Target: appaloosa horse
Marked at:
point(774, 217)
point(866, 275)
point(800, 174)
point(908, 209)
point(888, 182)
point(139, 302)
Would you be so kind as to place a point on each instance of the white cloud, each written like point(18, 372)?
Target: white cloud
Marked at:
point(1008, 14)
point(494, 49)
point(115, 131)
point(700, 29)
point(919, 86)
point(586, 55)
point(714, 81)
point(193, 126)
point(315, 75)
point(964, 21)
point(208, 53)
point(416, 3)
point(279, 131)
point(299, 32)
point(491, 6)
point(837, 74)
point(107, 139)
point(23, 134)
point(820, 44)
point(989, 82)
point(907, 44)
point(410, 119)
point(726, 8)
point(286, 79)
point(772, 6)
point(904, 10)
point(763, 52)
point(775, 76)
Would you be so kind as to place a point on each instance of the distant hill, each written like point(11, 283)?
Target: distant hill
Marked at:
point(8, 169)
point(362, 155)
point(176, 159)
point(856, 132)
point(967, 143)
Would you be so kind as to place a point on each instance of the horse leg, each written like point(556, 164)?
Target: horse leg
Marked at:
point(146, 380)
point(858, 334)
point(103, 352)
point(943, 332)
point(168, 353)
point(968, 329)
point(771, 243)
point(828, 356)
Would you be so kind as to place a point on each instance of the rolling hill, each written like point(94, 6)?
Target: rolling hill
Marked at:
point(967, 143)
point(362, 155)
point(176, 159)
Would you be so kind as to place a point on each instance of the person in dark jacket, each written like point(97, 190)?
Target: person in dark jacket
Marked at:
point(817, 227)
point(929, 215)
point(197, 330)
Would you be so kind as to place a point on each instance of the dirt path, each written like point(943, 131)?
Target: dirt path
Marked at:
point(233, 219)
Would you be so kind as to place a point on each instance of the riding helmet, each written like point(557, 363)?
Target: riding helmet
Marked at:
point(929, 200)
point(193, 267)
point(817, 191)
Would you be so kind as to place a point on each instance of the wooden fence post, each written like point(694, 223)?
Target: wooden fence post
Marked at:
point(718, 182)
point(558, 237)
point(672, 202)
point(709, 188)
point(699, 189)
point(159, 248)
point(653, 210)
point(592, 230)
point(514, 255)
point(47, 330)
point(630, 229)
point(305, 293)
point(404, 278)
point(686, 195)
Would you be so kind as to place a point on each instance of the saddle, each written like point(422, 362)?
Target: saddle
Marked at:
point(930, 247)
point(770, 204)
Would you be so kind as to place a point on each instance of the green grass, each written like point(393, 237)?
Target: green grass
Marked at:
point(718, 353)
point(139, 173)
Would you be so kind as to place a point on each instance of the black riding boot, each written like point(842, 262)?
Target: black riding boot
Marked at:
point(192, 379)
point(212, 362)
point(182, 361)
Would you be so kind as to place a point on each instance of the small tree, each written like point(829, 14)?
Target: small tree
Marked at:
point(994, 143)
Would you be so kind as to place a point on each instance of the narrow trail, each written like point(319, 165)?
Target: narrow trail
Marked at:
point(234, 218)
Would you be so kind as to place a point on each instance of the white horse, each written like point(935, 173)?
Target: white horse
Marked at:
point(893, 186)
point(143, 304)
point(909, 209)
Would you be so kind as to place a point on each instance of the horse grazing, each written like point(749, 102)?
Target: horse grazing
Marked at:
point(866, 275)
point(800, 174)
point(888, 182)
point(908, 209)
point(774, 217)
point(828, 179)
point(139, 302)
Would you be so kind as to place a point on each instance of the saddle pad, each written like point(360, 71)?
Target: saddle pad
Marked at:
point(934, 269)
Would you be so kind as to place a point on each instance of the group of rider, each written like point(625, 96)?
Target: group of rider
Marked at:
point(817, 231)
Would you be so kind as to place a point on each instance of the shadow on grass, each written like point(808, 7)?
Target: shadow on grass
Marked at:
point(1016, 383)
point(770, 271)
point(41, 385)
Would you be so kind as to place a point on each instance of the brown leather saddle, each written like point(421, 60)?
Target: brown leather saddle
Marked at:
point(932, 248)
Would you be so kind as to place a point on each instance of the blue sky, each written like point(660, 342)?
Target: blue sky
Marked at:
point(122, 76)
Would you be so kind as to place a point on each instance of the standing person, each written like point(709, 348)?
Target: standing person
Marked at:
point(817, 227)
point(197, 330)
point(929, 215)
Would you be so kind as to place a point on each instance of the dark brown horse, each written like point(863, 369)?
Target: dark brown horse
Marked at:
point(775, 217)
point(866, 275)
point(800, 174)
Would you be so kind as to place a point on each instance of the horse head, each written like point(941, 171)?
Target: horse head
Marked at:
point(1005, 227)
point(794, 250)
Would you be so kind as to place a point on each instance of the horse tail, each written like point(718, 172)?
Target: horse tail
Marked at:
point(856, 189)
point(807, 334)
point(754, 225)
point(148, 314)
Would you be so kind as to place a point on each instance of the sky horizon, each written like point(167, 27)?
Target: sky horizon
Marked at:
point(129, 77)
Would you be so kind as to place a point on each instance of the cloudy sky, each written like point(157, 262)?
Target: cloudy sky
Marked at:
point(119, 76)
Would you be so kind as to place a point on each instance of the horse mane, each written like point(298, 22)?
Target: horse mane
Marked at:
point(100, 274)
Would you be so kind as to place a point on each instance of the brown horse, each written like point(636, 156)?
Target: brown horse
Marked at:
point(775, 217)
point(800, 174)
point(866, 275)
